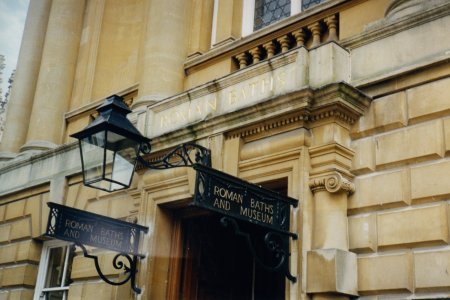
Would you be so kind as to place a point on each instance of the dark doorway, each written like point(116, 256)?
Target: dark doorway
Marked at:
point(218, 264)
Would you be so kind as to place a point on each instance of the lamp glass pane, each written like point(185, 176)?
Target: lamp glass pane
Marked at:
point(93, 152)
point(109, 160)
point(123, 155)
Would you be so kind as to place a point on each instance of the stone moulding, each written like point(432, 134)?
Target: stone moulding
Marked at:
point(338, 102)
point(388, 27)
point(332, 183)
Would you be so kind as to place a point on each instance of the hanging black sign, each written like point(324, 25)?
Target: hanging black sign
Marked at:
point(82, 227)
point(231, 196)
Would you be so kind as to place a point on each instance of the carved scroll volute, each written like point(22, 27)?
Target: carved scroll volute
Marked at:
point(332, 183)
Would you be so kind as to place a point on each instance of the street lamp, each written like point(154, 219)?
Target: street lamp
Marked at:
point(109, 147)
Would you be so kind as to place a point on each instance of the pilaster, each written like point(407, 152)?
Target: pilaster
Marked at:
point(201, 26)
point(229, 21)
point(331, 267)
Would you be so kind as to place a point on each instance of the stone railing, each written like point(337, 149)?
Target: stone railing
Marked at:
point(308, 36)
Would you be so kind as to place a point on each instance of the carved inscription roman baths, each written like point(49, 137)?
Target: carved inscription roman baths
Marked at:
point(232, 98)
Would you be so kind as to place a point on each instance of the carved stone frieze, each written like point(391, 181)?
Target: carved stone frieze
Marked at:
point(332, 183)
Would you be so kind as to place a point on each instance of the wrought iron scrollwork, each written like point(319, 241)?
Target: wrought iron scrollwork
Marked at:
point(129, 268)
point(180, 156)
point(275, 242)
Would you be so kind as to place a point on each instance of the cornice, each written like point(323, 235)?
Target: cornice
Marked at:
point(388, 27)
point(301, 108)
point(95, 103)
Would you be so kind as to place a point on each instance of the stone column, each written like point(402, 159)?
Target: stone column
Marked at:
point(401, 8)
point(20, 104)
point(56, 75)
point(164, 51)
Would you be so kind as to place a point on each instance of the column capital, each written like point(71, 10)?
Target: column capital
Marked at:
point(334, 182)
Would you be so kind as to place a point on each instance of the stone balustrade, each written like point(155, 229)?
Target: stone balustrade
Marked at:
point(309, 36)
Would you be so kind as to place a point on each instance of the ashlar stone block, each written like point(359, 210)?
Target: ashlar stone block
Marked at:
point(364, 159)
point(429, 101)
point(22, 294)
point(381, 190)
point(389, 273)
point(362, 231)
point(5, 232)
point(103, 291)
point(332, 271)
point(82, 267)
point(14, 209)
point(76, 291)
point(28, 251)
point(447, 135)
point(432, 270)
point(20, 229)
point(2, 212)
point(429, 182)
point(33, 209)
point(21, 275)
point(387, 118)
point(413, 144)
point(329, 63)
point(413, 227)
point(380, 117)
point(8, 253)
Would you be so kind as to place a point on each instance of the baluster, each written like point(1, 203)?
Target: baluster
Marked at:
point(315, 30)
point(256, 54)
point(284, 42)
point(299, 36)
point(270, 48)
point(242, 59)
point(332, 28)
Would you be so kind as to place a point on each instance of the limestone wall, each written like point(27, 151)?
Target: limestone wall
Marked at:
point(22, 218)
point(399, 214)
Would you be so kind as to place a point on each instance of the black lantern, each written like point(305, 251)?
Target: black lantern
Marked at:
point(109, 147)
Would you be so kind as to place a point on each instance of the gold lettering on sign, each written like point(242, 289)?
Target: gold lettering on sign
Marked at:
point(227, 194)
point(254, 209)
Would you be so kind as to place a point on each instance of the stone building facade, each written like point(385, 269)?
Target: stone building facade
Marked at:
point(341, 104)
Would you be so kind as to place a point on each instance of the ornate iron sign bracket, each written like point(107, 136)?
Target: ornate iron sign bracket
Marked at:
point(130, 269)
point(275, 242)
point(180, 156)
point(237, 199)
point(84, 228)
